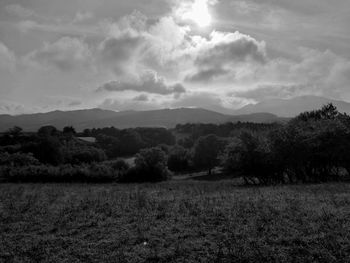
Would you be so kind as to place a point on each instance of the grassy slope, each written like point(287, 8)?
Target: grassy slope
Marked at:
point(181, 221)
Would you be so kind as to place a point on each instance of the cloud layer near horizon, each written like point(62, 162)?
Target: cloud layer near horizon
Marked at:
point(59, 56)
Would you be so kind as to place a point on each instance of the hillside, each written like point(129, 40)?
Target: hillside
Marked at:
point(97, 118)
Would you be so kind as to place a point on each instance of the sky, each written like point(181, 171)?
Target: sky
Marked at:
point(151, 54)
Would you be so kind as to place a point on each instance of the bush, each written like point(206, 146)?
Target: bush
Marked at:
point(79, 155)
point(250, 156)
point(18, 159)
point(206, 152)
point(98, 173)
point(178, 159)
point(48, 150)
point(120, 165)
point(312, 150)
point(150, 166)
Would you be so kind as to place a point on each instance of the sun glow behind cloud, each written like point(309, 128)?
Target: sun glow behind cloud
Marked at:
point(199, 13)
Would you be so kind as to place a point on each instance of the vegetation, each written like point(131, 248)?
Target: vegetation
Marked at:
point(150, 166)
point(182, 220)
point(312, 147)
point(206, 152)
point(179, 221)
point(179, 159)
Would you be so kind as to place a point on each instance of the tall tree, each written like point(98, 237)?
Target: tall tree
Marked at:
point(206, 152)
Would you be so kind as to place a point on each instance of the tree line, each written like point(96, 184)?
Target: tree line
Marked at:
point(312, 147)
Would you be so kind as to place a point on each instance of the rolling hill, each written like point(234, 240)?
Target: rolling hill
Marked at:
point(98, 118)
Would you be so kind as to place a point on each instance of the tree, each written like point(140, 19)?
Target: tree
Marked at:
point(48, 150)
point(314, 145)
point(178, 159)
point(48, 130)
point(150, 166)
point(250, 156)
point(69, 131)
point(206, 152)
point(14, 132)
point(130, 142)
point(17, 159)
point(83, 154)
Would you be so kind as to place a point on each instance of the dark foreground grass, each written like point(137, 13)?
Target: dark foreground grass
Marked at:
point(181, 221)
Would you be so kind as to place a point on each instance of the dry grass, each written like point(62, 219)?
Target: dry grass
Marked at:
point(179, 221)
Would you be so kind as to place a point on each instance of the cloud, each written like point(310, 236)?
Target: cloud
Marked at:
point(119, 53)
point(65, 54)
point(18, 10)
point(225, 54)
point(149, 82)
point(141, 97)
point(321, 73)
point(272, 91)
point(128, 104)
point(7, 58)
point(206, 75)
point(12, 107)
point(229, 48)
point(204, 100)
point(221, 69)
point(82, 17)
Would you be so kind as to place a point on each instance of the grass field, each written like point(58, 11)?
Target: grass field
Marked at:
point(178, 221)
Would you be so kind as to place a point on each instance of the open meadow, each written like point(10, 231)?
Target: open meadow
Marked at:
point(175, 221)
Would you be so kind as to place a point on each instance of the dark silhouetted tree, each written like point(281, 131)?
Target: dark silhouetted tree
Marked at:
point(178, 159)
point(48, 130)
point(206, 152)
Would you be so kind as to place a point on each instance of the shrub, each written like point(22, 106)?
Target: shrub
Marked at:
point(48, 150)
point(206, 152)
point(98, 173)
point(79, 155)
point(17, 159)
point(250, 156)
point(178, 159)
point(150, 166)
point(120, 165)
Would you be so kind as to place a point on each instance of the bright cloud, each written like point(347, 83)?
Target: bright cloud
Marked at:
point(212, 54)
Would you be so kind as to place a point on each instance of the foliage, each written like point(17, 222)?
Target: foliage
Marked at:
point(48, 150)
point(128, 142)
point(48, 130)
point(313, 147)
point(206, 152)
point(17, 159)
point(250, 156)
point(178, 159)
point(229, 129)
point(150, 166)
point(83, 154)
point(64, 173)
point(69, 131)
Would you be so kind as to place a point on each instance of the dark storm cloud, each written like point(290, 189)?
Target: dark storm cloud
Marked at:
point(148, 82)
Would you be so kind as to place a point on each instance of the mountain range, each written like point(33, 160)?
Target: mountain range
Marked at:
point(98, 118)
point(292, 107)
point(275, 110)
